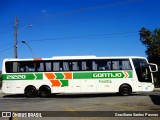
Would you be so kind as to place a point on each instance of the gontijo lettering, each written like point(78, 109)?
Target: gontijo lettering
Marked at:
point(108, 75)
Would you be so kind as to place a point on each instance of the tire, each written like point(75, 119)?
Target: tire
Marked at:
point(44, 91)
point(125, 90)
point(30, 91)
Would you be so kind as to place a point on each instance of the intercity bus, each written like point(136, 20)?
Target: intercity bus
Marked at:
point(77, 74)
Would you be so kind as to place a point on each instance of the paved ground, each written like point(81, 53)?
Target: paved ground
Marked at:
point(75, 103)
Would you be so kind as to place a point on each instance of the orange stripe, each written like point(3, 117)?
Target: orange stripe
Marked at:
point(36, 59)
point(126, 74)
point(55, 83)
point(68, 75)
point(50, 75)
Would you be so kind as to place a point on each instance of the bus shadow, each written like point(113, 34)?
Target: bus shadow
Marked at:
point(14, 96)
point(66, 95)
point(155, 99)
point(70, 95)
point(84, 95)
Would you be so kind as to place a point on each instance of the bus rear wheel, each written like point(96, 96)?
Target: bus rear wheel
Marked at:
point(125, 90)
point(30, 91)
point(44, 91)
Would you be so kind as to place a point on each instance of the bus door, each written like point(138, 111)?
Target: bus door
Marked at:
point(144, 75)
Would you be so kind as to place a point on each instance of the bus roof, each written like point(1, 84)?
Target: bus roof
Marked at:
point(72, 58)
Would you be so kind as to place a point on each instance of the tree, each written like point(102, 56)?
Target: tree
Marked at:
point(0, 81)
point(151, 39)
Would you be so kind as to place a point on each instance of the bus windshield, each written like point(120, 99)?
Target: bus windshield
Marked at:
point(142, 70)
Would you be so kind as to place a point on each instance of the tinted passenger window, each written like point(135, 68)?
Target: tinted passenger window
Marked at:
point(117, 64)
point(12, 67)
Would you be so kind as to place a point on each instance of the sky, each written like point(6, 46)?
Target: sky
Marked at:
point(76, 27)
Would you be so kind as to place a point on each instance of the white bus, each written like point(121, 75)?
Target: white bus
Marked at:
point(77, 74)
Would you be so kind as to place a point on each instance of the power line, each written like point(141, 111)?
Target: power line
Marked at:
point(84, 36)
point(4, 45)
point(6, 49)
point(113, 4)
point(83, 9)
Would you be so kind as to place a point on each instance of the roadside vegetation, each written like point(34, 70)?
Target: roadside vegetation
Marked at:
point(151, 39)
point(0, 81)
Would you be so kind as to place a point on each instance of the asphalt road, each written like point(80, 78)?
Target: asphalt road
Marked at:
point(74, 103)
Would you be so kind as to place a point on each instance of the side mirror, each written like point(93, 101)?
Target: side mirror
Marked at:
point(153, 67)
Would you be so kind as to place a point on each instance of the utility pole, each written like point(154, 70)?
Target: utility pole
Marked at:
point(15, 37)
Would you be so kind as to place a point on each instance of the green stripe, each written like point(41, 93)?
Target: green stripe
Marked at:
point(82, 75)
point(130, 74)
point(95, 75)
point(76, 75)
point(22, 76)
point(59, 75)
point(64, 83)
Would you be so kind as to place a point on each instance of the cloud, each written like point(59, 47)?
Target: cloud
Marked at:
point(44, 11)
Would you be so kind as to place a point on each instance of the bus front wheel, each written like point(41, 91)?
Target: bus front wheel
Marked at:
point(30, 91)
point(125, 90)
point(44, 91)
